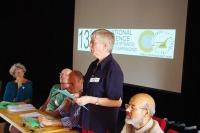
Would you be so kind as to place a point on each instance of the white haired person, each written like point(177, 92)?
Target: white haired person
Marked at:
point(55, 99)
point(139, 113)
point(19, 89)
point(103, 84)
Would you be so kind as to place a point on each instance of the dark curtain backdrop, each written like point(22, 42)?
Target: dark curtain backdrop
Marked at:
point(38, 34)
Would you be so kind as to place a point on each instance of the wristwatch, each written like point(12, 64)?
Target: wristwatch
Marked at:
point(97, 101)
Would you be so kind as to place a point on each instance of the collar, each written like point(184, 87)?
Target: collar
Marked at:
point(105, 61)
point(146, 127)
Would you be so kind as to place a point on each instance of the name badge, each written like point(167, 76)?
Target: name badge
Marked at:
point(96, 80)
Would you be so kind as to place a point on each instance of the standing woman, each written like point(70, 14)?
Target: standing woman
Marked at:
point(103, 84)
point(19, 89)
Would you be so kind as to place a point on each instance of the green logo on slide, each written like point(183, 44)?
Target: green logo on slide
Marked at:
point(146, 40)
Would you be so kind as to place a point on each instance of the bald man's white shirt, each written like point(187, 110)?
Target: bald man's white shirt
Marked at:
point(151, 127)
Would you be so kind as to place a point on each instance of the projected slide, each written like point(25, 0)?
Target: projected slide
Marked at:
point(158, 43)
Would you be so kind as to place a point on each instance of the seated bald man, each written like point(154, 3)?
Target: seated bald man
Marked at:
point(69, 110)
point(139, 113)
point(55, 100)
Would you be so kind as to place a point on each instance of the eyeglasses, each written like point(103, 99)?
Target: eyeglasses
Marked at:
point(133, 107)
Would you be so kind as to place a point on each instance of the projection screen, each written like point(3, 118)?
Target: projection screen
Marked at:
point(149, 38)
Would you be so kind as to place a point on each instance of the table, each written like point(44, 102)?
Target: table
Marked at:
point(15, 119)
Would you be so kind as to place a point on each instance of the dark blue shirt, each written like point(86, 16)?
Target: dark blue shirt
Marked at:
point(104, 80)
point(12, 93)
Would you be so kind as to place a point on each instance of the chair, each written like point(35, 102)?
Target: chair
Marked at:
point(2, 127)
point(172, 131)
point(161, 122)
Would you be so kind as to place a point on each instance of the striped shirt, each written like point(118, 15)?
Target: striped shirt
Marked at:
point(70, 118)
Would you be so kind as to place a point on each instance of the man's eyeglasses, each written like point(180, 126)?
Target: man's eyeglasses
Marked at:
point(132, 107)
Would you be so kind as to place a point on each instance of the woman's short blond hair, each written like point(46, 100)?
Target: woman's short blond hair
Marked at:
point(107, 37)
point(15, 66)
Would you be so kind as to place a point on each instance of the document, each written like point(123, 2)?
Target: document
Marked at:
point(67, 94)
point(21, 107)
point(4, 104)
point(31, 115)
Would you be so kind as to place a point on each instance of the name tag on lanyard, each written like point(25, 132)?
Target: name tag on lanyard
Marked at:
point(96, 80)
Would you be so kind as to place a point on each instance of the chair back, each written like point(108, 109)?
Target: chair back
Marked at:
point(172, 131)
point(162, 122)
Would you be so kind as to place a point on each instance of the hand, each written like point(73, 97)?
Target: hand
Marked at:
point(42, 108)
point(83, 100)
point(45, 121)
point(19, 81)
point(76, 95)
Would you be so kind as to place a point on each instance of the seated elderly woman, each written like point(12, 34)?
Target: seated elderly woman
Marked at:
point(19, 89)
point(139, 113)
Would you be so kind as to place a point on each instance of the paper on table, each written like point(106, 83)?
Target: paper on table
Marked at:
point(21, 107)
point(32, 122)
point(4, 104)
point(31, 115)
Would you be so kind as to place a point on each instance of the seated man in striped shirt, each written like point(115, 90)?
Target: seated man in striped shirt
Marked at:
point(56, 99)
point(69, 110)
